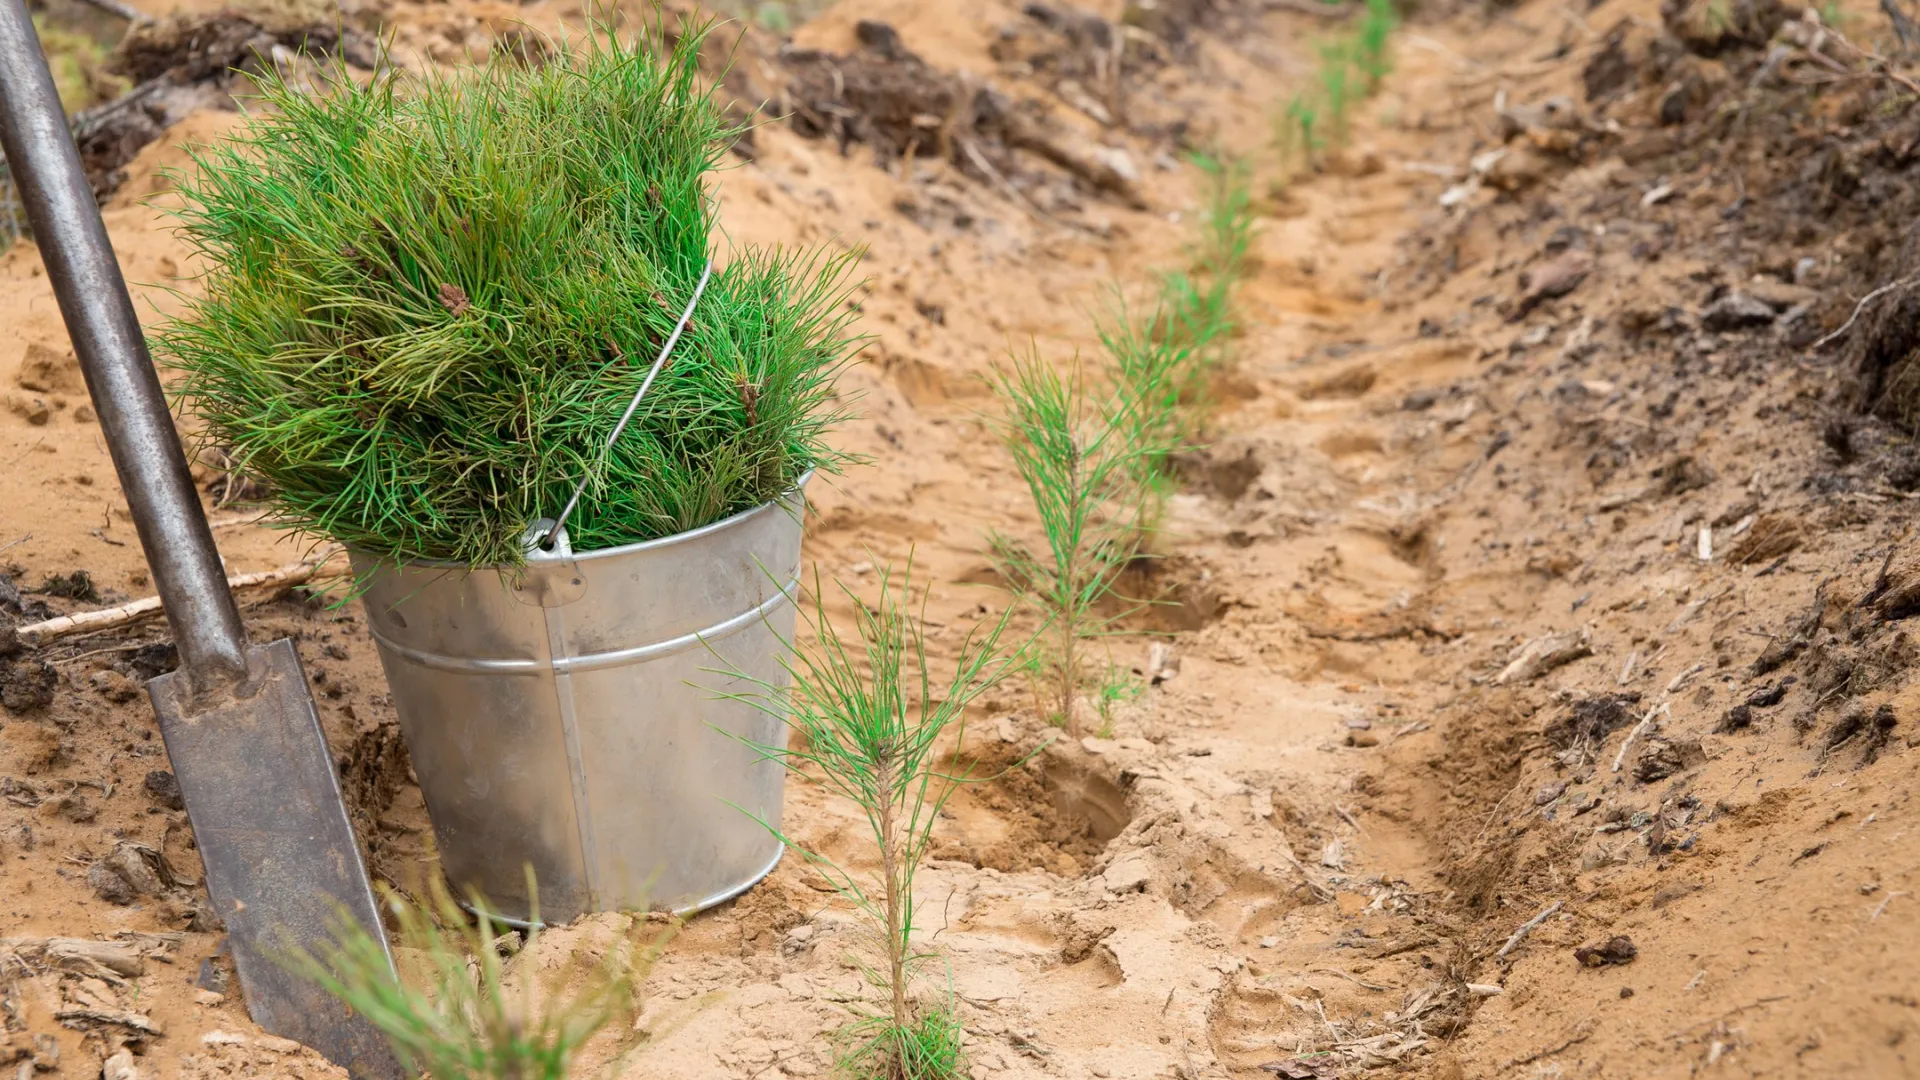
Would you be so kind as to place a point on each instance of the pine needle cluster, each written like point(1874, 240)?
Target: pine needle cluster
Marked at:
point(1352, 66)
point(467, 1016)
point(430, 298)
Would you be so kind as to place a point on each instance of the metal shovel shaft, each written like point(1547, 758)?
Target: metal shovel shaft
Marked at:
point(113, 353)
point(239, 723)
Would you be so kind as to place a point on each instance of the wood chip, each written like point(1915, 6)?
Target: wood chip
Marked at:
point(110, 960)
point(1543, 654)
point(75, 1018)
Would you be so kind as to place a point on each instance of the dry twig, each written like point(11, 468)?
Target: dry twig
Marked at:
point(1860, 307)
point(1620, 759)
point(1526, 928)
point(115, 1017)
point(81, 622)
point(1581, 1033)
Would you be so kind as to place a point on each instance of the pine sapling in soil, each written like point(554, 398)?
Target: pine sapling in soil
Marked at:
point(872, 723)
point(1083, 456)
point(1336, 86)
point(1165, 361)
point(1158, 367)
point(1297, 132)
point(1370, 42)
point(469, 1017)
point(1226, 239)
point(1352, 67)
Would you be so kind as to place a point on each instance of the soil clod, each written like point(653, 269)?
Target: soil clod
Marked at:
point(1619, 949)
point(1875, 727)
point(1771, 536)
point(1663, 758)
point(164, 789)
point(1555, 279)
point(1736, 311)
point(77, 585)
point(1543, 654)
point(1591, 720)
point(27, 684)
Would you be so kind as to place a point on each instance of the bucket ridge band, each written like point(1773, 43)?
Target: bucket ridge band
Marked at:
point(593, 661)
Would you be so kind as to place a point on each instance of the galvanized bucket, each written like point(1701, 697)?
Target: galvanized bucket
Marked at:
point(570, 717)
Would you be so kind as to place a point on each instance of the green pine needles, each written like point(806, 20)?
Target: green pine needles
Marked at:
point(870, 721)
point(1086, 457)
point(1165, 362)
point(472, 1019)
point(431, 298)
point(1096, 452)
point(1370, 42)
point(1352, 66)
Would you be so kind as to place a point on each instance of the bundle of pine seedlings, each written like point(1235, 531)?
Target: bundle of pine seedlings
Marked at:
point(429, 300)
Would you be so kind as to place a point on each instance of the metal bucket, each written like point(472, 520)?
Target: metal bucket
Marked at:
point(568, 717)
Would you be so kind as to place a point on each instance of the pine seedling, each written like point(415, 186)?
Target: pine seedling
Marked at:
point(1164, 362)
point(1157, 368)
point(1336, 86)
point(870, 721)
point(1117, 687)
point(1370, 42)
point(1298, 135)
point(1082, 457)
point(1226, 238)
point(1227, 235)
point(473, 1020)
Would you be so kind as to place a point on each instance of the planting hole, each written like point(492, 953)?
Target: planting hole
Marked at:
point(1046, 814)
point(1164, 594)
point(1081, 795)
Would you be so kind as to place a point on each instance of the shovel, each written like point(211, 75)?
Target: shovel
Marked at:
point(238, 720)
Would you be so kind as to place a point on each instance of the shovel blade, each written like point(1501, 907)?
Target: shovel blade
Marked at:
point(282, 865)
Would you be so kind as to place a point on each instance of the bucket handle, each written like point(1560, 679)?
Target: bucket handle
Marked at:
point(544, 533)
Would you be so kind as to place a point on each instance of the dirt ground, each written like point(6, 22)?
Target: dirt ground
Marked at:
point(1543, 704)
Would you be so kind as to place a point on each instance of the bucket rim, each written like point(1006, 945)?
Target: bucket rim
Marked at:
point(659, 542)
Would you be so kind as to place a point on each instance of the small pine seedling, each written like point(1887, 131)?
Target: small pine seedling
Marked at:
point(1226, 238)
point(474, 1020)
point(1370, 45)
point(1163, 362)
point(870, 720)
point(1159, 367)
point(1082, 459)
point(1298, 136)
point(1117, 687)
point(1336, 86)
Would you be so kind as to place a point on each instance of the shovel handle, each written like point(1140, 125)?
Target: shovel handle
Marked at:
point(126, 393)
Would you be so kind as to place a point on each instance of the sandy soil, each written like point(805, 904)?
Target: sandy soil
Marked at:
point(1453, 652)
